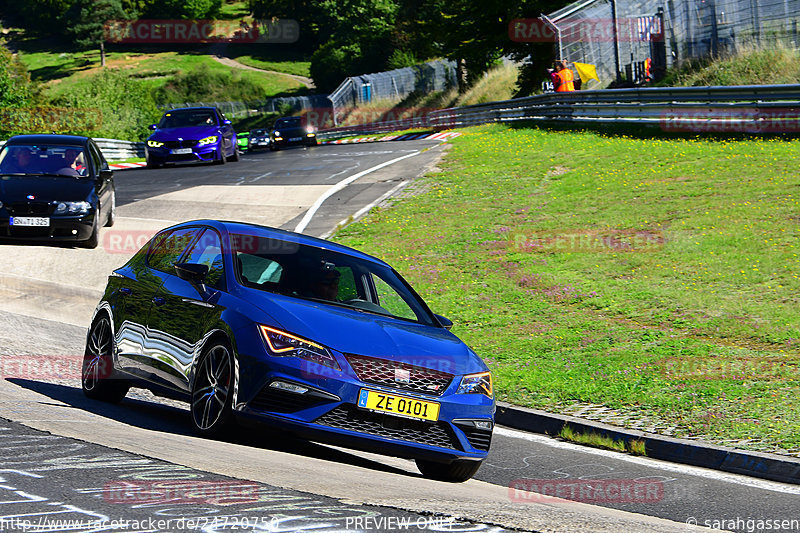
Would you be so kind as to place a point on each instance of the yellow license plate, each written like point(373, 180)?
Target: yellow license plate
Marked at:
point(398, 405)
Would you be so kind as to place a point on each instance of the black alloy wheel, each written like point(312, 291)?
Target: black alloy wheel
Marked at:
point(212, 390)
point(97, 373)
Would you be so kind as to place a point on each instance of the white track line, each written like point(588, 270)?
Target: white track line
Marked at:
point(697, 471)
point(341, 185)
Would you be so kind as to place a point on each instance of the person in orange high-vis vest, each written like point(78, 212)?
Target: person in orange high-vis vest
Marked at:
point(565, 78)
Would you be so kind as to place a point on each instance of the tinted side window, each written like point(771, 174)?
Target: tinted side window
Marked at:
point(208, 251)
point(169, 249)
point(389, 299)
point(95, 159)
point(99, 155)
point(257, 269)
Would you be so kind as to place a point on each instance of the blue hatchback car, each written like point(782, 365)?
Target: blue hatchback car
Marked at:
point(192, 134)
point(255, 324)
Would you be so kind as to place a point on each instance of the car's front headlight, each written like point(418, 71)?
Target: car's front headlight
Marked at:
point(480, 383)
point(276, 133)
point(211, 139)
point(282, 343)
point(72, 208)
point(155, 144)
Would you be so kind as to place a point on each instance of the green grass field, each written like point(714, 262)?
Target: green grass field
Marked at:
point(655, 277)
point(62, 71)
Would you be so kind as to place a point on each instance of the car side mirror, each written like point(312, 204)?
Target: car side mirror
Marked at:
point(152, 127)
point(445, 322)
point(226, 121)
point(193, 273)
point(106, 174)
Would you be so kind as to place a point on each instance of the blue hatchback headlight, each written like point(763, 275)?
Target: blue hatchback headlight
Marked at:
point(282, 343)
point(480, 383)
point(211, 139)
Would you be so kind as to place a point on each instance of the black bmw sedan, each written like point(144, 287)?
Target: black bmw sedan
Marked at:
point(291, 131)
point(55, 188)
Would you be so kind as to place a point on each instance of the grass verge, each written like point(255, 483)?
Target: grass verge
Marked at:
point(655, 277)
point(596, 440)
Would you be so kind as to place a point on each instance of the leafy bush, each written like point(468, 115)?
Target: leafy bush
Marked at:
point(15, 87)
point(126, 105)
point(203, 84)
point(331, 63)
point(401, 58)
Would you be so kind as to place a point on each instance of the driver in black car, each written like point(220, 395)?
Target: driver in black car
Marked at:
point(21, 162)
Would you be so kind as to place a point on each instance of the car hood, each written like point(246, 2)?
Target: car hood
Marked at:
point(45, 189)
point(354, 332)
point(285, 132)
point(190, 133)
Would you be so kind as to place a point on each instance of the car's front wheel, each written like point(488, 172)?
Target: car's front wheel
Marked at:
point(221, 160)
point(97, 372)
point(94, 237)
point(455, 472)
point(154, 163)
point(235, 156)
point(112, 212)
point(212, 389)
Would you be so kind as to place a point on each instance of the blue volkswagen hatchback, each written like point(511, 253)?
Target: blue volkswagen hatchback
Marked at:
point(191, 134)
point(251, 323)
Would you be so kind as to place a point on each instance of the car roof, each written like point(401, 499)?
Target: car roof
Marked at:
point(284, 235)
point(74, 140)
point(203, 108)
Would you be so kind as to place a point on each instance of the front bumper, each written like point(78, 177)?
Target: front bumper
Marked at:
point(329, 412)
point(295, 140)
point(210, 152)
point(61, 228)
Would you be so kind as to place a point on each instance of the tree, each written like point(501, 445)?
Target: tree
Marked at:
point(91, 17)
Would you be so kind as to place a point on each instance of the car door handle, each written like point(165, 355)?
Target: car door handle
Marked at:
point(127, 291)
point(158, 300)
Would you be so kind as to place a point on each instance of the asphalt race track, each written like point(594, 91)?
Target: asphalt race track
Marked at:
point(66, 457)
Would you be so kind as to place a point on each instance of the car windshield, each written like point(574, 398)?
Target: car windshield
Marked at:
point(258, 133)
point(292, 122)
point(184, 119)
point(42, 159)
point(311, 273)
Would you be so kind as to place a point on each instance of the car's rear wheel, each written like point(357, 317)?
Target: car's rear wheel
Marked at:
point(455, 472)
point(212, 389)
point(97, 372)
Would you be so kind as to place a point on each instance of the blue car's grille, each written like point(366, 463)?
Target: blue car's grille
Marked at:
point(400, 375)
point(180, 144)
point(480, 439)
point(392, 427)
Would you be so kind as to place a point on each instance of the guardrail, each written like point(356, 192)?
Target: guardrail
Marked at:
point(117, 150)
point(743, 109)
